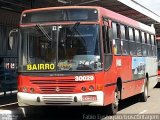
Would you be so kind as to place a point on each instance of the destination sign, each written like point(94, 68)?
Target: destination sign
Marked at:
point(40, 66)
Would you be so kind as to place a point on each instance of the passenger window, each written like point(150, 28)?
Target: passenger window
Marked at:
point(132, 43)
point(124, 40)
point(106, 41)
point(116, 41)
point(144, 50)
point(138, 42)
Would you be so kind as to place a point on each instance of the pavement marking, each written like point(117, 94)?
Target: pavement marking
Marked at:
point(8, 104)
point(143, 112)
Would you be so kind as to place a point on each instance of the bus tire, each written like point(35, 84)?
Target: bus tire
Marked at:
point(144, 95)
point(112, 109)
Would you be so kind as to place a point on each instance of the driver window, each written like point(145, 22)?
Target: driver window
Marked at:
point(106, 45)
point(106, 41)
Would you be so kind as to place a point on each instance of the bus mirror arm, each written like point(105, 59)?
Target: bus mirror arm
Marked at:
point(11, 37)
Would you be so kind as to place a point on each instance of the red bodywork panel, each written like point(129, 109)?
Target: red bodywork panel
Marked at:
point(48, 85)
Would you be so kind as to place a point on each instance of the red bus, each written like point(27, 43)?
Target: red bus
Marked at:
point(83, 55)
point(158, 54)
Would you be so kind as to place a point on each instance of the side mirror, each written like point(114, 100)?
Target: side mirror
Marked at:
point(12, 38)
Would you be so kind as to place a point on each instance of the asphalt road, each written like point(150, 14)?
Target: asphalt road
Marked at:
point(130, 108)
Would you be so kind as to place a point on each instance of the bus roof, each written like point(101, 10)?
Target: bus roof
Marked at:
point(107, 13)
point(126, 21)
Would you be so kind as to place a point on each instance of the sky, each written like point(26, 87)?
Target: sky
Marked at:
point(153, 5)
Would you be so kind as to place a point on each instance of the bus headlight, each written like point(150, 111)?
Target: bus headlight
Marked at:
point(32, 90)
point(91, 88)
point(83, 89)
point(24, 89)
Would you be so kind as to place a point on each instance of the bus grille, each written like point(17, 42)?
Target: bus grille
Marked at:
point(57, 89)
point(57, 99)
point(69, 81)
point(56, 86)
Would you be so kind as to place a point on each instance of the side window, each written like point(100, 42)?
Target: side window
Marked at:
point(143, 38)
point(130, 34)
point(148, 46)
point(144, 51)
point(107, 35)
point(152, 39)
point(116, 41)
point(148, 39)
point(132, 43)
point(124, 40)
point(122, 32)
point(138, 42)
point(137, 36)
point(154, 48)
point(152, 45)
point(114, 26)
point(118, 31)
point(106, 41)
point(107, 46)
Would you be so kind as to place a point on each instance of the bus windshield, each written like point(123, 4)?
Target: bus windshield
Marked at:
point(60, 48)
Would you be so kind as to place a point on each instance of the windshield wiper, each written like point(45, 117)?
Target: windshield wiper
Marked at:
point(75, 30)
point(44, 32)
point(76, 25)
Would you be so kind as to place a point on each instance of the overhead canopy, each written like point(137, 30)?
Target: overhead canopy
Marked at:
point(129, 8)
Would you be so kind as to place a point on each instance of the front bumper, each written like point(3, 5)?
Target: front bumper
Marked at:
point(27, 99)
